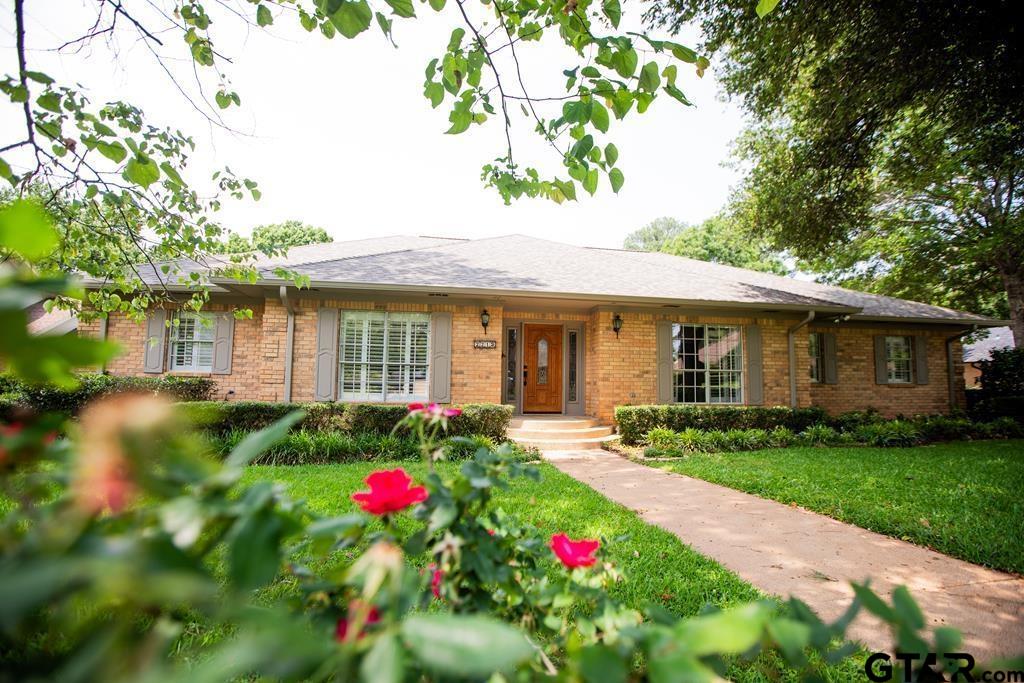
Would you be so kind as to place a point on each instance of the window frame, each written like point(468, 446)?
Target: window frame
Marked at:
point(817, 367)
point(203, 321)
point(910, 360)
point(679, 356)
point(384, 365)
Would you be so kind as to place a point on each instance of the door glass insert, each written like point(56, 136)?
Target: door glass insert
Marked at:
point(511, 349)
point(572, 366)
point(542, 361)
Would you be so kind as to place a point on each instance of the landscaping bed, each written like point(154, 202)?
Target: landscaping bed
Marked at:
point(962, 498)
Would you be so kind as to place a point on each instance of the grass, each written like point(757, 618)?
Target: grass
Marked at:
point(659, 568)
point(962, 499)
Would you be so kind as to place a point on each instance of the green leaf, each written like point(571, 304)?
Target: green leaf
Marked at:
point(38, 77)
point(141, 170)
point(254, 549)
point(468, 646)
point(649, 78)
point(582, 148)
point(5, 172)
point(434, 92)
point(171, 173)
point(460, 121)
point(385, 27)
point(601, 664)
point(764, 7)
point(613, 10)
point(114, 151)
point(625, 62)
point(731, 631)
point(873, 603)
point(599, 116)
point(437, 5)
point(26, 229)
point(257, 442)
point(622, 102)
point(907, 609)
point(263, 16)
point(611, 154)
point(792, 637)
point(683, 53)
point(456, 39)
point(49, 101)
point(590, 181)
point(384, 662)
point(402, 8)
point(352, 17)
point(678, 94)
point(616, 178)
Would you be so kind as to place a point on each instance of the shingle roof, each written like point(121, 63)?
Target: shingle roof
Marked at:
point(521, 265)
point(997, 338)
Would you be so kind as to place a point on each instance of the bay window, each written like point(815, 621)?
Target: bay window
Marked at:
point(707, 363)
point(384, 356)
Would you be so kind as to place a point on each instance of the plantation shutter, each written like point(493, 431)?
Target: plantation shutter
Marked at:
point(441, 357)
point(829, 366)
point(921, 359)
point(326, 371)
point(156, 330)
point(881, 376)
point(223, 338)
point(755, 366)
point(664, 358)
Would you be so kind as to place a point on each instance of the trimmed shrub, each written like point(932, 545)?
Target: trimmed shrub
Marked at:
point(47, 399)
point(943, 428)
point(636, 421)
point(463, 447)
point(852, 419)
point(661, 438)
point(781, 437)
point(747, 439)
point(996, 407)
point(818, 435)
point(482, 419)
point(891, 434)
point(1001, 428)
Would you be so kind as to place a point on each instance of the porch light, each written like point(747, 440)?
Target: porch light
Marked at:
point(485, 319)
point(617, 324)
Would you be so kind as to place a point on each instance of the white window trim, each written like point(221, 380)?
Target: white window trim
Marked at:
point(204, 321)
point(818, 367)
point(909, 341)
point(384, 396)
point(741, 371)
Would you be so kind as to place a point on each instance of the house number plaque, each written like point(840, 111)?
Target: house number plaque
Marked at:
point(485, 344)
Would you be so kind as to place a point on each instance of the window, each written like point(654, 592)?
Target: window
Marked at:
point(384, 356)
point(192, 342)
point(899, 366)
point(707, 364)
point(542, 362)
point(814, 352)
point(511, 369)
point(573, 343)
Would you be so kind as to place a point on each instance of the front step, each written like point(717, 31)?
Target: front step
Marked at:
point(559, 433)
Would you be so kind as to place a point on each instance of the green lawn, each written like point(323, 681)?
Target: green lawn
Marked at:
point(659, 568)
point(963, 499)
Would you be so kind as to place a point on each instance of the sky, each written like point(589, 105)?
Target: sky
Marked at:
point(338, 134)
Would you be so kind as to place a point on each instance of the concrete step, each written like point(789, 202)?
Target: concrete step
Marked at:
point(570, 444)
point(553, 423)
point(576, 432)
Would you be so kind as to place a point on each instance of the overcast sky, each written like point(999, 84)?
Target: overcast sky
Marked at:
point(338, 133)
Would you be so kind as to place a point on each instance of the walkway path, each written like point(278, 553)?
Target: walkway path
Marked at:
point(787, 551)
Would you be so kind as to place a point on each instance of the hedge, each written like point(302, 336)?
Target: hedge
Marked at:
point(635, 421)
point(220, 417)
point(49, 399)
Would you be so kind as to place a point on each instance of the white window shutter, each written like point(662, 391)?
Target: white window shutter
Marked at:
point(156, 331)
point(223, 339)
point(441, 357)
point(326, 373)
point(755, 366)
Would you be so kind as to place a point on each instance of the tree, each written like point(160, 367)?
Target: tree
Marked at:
point(276, 236)
point(719, 239)
point(887, 143)
point(134, 175)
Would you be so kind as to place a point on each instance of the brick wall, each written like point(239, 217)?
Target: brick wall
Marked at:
point(856, 388)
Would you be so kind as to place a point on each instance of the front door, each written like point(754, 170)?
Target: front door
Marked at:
point(542, 368)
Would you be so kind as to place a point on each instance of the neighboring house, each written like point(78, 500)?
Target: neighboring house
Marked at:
point(998, 338)
point(56, 322)
point(550, 328)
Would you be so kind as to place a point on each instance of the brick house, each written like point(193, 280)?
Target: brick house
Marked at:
point(548, 328)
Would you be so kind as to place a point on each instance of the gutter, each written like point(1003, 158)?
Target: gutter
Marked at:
point(103, 337)
point(791, 341)
point(951, 365)
point(289, 342)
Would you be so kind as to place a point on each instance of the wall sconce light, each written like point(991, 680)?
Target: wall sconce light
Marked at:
point(485, 319)
point(617, 324)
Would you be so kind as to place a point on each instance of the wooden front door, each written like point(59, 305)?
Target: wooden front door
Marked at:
point(542, 368)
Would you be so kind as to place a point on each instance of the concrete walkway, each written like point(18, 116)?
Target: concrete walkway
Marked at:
point(789, 551)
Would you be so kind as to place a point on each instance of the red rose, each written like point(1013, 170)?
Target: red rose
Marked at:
point(341, 630)
point(389, 492)
point(435, 581)
point(415, 407)
point(574, 553)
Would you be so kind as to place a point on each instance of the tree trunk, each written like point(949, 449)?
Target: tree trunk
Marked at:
point(1013, 281)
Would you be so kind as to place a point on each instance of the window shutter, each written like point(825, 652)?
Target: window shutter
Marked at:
point(664, 358)
point(829, 366)
point(156, 331)
point(326, 372)
point(223, 338)
point(755, 366)
point(441, 357)
point(921, 359)
point(881, 376)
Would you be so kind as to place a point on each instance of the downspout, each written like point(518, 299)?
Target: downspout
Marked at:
point(289, 342)
point(103, 337)
point(791, 339)
point(951, 365)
